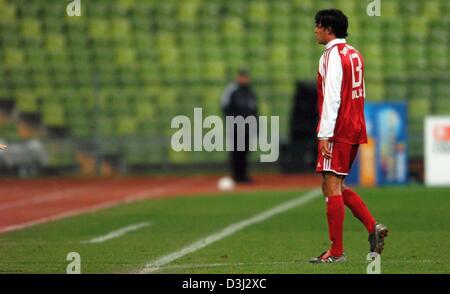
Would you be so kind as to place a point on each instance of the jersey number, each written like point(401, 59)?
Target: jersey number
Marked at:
point(356, 70)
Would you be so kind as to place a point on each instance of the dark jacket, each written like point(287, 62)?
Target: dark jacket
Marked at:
point(239, 100)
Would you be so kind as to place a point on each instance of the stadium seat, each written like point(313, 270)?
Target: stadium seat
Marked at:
point(9, 131)
point(432, 8)
point(441, 105)
point(411, 7)
point(13, 58)
point(27, 102)
point(418, 107)
point(60, 154)
point(7, 13)
point(53, 114)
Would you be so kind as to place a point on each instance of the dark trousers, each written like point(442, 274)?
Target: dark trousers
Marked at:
point(239, 165)
point(238, 159)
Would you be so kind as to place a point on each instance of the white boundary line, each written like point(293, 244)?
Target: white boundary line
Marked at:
point(49, 197)
point(230, 230)
point(118, 233)
point(127, 199)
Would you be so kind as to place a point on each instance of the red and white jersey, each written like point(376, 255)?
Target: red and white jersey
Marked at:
point(341, 94)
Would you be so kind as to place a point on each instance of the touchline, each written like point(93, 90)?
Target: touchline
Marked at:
point(213, 139)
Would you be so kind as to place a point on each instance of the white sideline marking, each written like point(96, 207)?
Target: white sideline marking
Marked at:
point(108, 204)
point(119, 232)
point(49, 197)
point(230, 230)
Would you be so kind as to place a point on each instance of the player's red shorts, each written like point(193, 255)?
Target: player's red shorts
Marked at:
point(341, 160)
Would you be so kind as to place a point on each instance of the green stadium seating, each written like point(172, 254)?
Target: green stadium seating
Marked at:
point(61, 154)
point(126, 61)
point(10, 131)
point(26, 102)
point(418, 108)
point(441, 106)
point(14, 58)
point(53, 114)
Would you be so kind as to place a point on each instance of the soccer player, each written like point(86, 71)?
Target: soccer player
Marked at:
point(341, 128)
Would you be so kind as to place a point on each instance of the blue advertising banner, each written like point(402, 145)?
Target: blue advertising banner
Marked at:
point(383, 160)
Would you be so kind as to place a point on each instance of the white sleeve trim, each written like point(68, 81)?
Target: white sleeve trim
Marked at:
point(331, 94)
point(226, 96)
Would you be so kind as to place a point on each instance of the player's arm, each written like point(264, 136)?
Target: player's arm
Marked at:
point(3, 147)
point(331, 101)
point(323, 147)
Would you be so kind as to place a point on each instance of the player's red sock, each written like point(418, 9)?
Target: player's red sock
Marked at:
point(335, 216)
point(359, 209)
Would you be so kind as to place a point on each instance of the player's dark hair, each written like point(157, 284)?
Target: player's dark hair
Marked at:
point(333, 19)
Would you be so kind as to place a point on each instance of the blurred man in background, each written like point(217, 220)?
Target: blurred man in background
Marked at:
point(239, 99)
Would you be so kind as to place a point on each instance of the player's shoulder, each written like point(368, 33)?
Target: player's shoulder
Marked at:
point(332, 52)
point(231, 87)
point(346, 48)
point(333, 55)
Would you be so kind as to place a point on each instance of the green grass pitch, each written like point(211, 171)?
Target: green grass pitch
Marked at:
point(418, 219)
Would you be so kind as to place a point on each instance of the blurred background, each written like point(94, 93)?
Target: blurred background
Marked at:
point(95, 94)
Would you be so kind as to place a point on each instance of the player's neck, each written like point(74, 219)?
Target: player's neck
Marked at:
point(331, 39)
